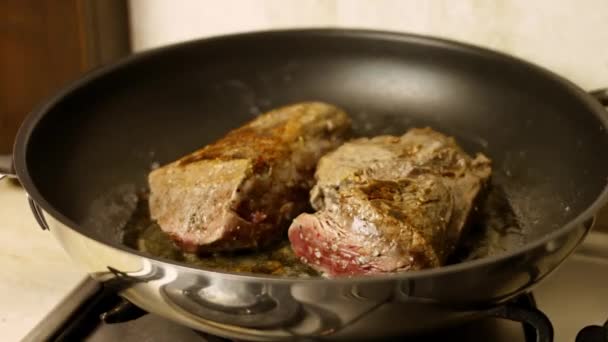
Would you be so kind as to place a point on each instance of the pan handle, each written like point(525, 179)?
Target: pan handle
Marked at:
point(6, 167)
point(38, 214)
point(7, 170)
point(601, 95)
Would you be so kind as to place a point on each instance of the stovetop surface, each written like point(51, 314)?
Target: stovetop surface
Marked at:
point(576, 295)
point(153, 328)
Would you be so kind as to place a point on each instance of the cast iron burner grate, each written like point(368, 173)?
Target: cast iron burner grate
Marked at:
point(107, 317)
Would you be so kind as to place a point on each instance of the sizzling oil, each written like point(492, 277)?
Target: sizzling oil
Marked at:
point(493, 229)
point(145, 235)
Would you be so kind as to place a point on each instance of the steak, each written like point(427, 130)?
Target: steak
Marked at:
point(389, 204)
point(242, 191)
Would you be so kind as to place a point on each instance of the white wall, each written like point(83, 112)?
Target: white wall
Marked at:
point(568, 36)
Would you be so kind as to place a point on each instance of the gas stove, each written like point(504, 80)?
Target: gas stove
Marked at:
point(570, 305)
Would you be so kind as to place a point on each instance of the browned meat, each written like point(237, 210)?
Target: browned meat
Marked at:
point(243, 190)
point(389, 204)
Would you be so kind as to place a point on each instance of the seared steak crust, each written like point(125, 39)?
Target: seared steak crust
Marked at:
point(242, 191)
point(389, 204)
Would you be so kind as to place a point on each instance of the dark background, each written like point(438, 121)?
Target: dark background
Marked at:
point(45, 44)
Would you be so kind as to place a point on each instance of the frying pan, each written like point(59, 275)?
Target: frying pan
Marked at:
point(84, 154)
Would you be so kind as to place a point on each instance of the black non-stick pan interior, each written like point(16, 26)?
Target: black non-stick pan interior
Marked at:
point(94, 147)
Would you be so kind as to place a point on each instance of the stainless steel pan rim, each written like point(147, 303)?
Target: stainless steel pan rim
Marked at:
point(584, 218)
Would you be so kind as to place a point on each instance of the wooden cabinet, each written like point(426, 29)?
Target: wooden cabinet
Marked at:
point(45, 44)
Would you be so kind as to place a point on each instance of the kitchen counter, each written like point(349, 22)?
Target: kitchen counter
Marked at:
point(36, 273)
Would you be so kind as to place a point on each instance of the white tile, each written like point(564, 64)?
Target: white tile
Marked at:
point(568, 37)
